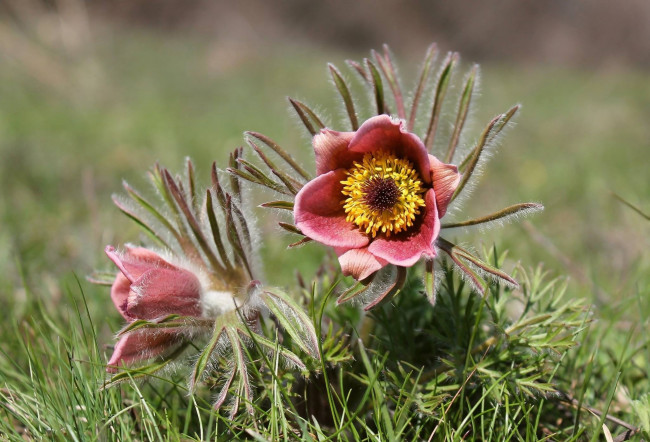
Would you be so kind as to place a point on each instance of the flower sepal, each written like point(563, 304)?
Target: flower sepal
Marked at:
point(474, 268)
point(145, 371)
point(238, 332)
point(168, 322)
point(376, 289)
point(158, 339)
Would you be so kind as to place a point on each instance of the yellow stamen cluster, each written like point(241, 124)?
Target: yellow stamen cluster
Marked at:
point(384, 194)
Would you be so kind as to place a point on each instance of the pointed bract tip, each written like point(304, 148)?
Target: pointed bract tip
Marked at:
point(254, 287)
point(109, 250)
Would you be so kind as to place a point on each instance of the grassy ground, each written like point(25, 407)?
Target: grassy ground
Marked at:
point(133, 99)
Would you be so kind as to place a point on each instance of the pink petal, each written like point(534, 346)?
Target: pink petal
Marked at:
point(319, 213)
point(120, 294)
point(331, 151)
point(406, 248)
point(149, 287)
point(445, 181)
point(382, 133)
point(359, 263)
point(135, 261)
point(161, 292)
point(140, 346)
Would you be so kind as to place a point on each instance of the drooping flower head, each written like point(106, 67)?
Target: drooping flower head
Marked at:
point(151, 288)
point(378, 196)
point(148, 287)
point(200, 288)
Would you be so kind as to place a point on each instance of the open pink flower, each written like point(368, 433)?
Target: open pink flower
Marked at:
point(378, 196)
point(150, 288)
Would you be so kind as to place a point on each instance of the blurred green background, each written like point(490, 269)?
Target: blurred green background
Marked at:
point(95, 92)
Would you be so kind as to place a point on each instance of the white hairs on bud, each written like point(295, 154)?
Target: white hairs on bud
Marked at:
point(215, 303)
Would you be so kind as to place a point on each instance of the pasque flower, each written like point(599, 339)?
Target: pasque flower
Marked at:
point(198, 289)
point(377, 198)
point(381, 189)
point(150, 288)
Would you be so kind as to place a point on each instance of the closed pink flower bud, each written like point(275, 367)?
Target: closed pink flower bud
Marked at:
point(150, 288)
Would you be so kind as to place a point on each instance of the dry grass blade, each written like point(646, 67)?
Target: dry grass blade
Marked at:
point(631, 206)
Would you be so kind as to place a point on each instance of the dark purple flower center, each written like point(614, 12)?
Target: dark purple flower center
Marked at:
point(381, 193)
